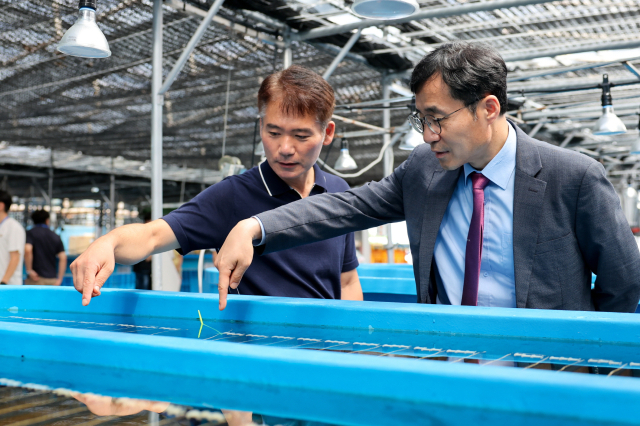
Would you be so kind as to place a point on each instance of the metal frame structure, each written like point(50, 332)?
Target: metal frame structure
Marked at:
point(100, 106)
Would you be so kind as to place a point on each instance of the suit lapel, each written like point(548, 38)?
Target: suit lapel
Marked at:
point(527, 208)
point(439, 190)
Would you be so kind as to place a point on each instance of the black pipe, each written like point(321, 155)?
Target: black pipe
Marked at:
point(253, 148)
point(607, 100)
point(326, 157)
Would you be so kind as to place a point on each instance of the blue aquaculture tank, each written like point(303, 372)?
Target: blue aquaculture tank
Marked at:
point(327, 361)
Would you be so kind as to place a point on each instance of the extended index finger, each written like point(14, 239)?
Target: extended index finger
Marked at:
point(88, 283)
point(223, 287)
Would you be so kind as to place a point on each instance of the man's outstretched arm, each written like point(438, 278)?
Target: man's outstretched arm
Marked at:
point(127, 245)
point(350, 285)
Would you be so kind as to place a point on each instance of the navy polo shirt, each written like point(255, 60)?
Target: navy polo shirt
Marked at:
point(311, 270)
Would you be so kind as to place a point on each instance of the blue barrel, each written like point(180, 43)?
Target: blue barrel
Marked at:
point(386, 270)
point(190, 271)
point(210, 281)
point(386, 282)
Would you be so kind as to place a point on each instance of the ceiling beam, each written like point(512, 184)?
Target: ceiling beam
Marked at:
point(441, 12)
point(562, 50)
point(4, 172)
point(633, 70)
point(564, 70)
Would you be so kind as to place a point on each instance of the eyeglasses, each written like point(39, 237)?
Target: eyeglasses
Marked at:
point(433, 123)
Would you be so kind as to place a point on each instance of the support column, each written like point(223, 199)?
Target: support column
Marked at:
point(157, 101)
point(52, 215)
point(26, 207)
point(340, 56)
point(226, 114)
point(99, 219)
point(288, 53)
point(366, 247)
point(112, 199)
point(183, 185)
point(387, 161)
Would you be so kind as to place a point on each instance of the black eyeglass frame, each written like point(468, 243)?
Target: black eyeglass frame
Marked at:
point(418, 122)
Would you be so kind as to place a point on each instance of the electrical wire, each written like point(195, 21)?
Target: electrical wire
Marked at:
point(326, 157)
point(400, 132)
point(253, 147)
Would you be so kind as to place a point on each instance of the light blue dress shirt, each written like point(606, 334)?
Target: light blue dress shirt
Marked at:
point(497, 279)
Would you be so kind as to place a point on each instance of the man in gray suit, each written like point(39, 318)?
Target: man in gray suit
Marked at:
point(494, 217)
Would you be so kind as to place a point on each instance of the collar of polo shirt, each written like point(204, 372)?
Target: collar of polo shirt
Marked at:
point(276, 186)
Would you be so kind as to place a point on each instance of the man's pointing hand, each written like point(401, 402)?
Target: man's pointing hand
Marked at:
point(235, 256)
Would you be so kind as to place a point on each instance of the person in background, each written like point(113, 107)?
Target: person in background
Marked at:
point(43, 250)
point(12, 239)
point(295, 106)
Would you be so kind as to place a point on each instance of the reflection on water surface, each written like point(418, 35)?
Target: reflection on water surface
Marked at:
point(37, 407)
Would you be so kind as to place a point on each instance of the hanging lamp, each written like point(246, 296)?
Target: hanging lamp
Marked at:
point(635, 145)
point(608, 124)
point(84, 39)
point(411, 140)
point(345, 161)
point(385, 9)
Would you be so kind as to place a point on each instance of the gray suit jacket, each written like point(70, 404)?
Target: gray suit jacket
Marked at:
point(567, 222)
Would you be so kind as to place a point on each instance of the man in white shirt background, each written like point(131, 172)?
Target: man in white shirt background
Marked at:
point(12, 241)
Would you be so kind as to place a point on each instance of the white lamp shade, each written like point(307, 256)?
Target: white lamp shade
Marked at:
point(411, 140)
point(635, 147)
point(631, 192)
point(84, 38)
point(609, 124)
point(345, 161)
point(385, 9)
point(259, 149)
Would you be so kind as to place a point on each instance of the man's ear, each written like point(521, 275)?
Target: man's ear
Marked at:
point(491, 105)
point(329, 133)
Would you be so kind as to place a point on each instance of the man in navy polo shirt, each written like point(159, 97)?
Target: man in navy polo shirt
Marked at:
point(295, 107)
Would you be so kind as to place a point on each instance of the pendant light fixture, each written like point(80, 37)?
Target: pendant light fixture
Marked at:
point(608, 124)
point(385, 9)
point(84, 38)
point(411, 140)
point(259, 149)
point(635, 145)
point(345, 161)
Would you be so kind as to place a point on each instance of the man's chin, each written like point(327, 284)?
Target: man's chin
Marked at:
point(447, 164)
point(287, 173)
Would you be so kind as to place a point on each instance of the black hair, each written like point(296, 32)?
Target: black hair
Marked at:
point(5, 198)
point(471, 70)
point(39, 217)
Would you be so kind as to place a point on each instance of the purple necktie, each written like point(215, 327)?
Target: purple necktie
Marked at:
point(473, 254)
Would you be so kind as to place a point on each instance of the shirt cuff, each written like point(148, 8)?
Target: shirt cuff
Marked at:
point(257, 243)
